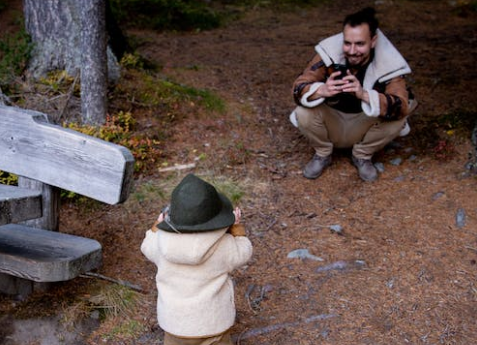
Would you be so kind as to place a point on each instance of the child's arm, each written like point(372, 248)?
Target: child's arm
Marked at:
point(149, 245)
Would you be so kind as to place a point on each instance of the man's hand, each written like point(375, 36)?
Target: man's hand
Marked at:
point(333, 86)
point(354, 86)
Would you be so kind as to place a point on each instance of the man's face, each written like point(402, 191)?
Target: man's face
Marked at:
point(357, 44)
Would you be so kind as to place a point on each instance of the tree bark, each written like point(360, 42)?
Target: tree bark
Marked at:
point(71, 35)
point(94, 79)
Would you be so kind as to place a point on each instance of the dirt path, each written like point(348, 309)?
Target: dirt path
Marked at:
point(392, 262)
point(401, 270)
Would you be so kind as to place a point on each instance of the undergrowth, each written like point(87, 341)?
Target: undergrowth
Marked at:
point(15, 50)
point(188, 15)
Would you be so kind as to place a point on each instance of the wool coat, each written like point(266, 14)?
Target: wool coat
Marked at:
point(195, 290)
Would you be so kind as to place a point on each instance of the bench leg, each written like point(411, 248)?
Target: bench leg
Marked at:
point(10, 285)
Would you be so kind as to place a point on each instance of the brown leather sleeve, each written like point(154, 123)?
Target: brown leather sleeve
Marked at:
point(393, 103)
point(314, 72)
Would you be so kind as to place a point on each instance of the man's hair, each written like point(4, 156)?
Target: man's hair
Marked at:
point(365, 16)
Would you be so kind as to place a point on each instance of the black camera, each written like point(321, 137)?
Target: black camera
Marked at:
point(337, 67)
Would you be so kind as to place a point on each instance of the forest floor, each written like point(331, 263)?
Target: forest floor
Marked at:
point(390, 262)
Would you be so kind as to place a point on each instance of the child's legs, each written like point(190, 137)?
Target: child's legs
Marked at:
point(221, 339)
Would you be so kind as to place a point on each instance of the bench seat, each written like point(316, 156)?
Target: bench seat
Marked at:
point(46, 256)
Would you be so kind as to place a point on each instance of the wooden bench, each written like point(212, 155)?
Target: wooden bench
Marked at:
point(48, 158)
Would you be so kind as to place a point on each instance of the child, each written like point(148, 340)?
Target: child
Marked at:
point(195, 245)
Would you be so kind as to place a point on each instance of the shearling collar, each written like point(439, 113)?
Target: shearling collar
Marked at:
point(388, 63)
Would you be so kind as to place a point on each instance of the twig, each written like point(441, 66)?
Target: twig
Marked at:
point(116, 281)
point(471, 248)
point(178, 167)
point(70, 93)
point(271, 328)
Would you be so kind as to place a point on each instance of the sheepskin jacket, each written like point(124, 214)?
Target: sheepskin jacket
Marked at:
point(383, 76)
point(195, 291)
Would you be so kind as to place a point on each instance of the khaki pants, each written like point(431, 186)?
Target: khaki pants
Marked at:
point(220, 339)
point(326, 128)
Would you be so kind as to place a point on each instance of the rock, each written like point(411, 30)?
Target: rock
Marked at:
point(396, 161)
point(460, 218)
point(336, 228)
point(342, 266)
point(379, 166)
point(303, 254)
point(437, 195)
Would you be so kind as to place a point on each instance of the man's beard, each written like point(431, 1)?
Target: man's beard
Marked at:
point(360, 61)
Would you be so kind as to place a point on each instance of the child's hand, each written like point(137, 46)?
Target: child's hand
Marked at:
point(160, 218)
point(238, 214)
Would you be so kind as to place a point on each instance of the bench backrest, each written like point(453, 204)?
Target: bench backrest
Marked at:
point(33, 148)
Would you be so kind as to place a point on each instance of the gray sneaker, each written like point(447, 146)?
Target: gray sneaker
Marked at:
point(366, 169)
point(315, 167)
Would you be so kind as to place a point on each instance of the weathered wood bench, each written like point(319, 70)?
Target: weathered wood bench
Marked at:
point(48, 158)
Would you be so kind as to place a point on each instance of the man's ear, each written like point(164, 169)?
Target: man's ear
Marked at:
point(374, 40)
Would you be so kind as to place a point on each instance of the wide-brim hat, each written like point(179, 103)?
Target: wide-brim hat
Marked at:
point(196, 206)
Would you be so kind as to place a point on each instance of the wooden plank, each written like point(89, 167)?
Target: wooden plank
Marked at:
point(19, 204)
point(50, 202)
point(34, 148)
point(45, 256)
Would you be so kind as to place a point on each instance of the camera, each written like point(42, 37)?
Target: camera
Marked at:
point(340, 68)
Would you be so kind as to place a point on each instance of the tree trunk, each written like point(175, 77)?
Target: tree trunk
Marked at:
point(94, 66)
point(64, 41)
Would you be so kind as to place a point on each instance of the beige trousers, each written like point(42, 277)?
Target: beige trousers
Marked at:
point(327, 128)
point(220, 339)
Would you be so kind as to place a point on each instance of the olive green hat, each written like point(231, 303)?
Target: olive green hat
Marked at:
point(196, 206)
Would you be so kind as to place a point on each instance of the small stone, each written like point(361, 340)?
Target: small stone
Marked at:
point(303, 254)
point(336, 228)
point(379, 166)
point(460, 218)
point(437, 195)
point(396, 161)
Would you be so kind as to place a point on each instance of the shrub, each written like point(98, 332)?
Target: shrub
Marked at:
point(180, 15)
point(14, 54)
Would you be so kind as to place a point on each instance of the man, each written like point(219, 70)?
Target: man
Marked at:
point(352, 95)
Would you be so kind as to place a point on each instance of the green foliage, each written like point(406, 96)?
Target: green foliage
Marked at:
point(457, 123)
point(115, 300)
point(15, 51)
point(280, 4)
point(7, 178)
point(465, 8)
point(181, 15)
point(187, 15)
point(59, 82)
point(126, 330)
point(119, 129)
point(230, 189)
point(178, 92)
point(150, 90)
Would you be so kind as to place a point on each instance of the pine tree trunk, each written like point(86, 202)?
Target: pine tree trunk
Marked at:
point(54, 27)
point(71, 35)
point(94, 67)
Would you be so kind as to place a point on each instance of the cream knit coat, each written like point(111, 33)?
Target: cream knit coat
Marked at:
point(195, 291)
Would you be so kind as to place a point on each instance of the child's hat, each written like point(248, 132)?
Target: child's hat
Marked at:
point(196, 206)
